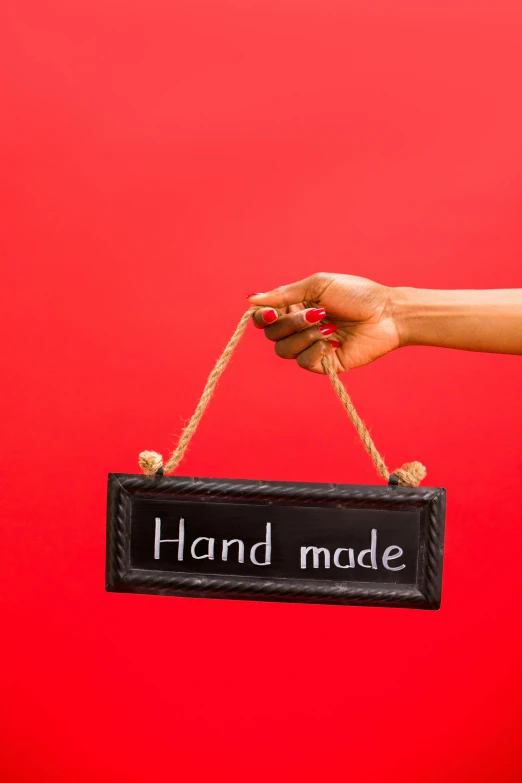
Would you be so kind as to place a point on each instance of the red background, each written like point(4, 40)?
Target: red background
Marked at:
point(162, 159)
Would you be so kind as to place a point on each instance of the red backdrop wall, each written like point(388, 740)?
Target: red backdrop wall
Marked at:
point(162, 159)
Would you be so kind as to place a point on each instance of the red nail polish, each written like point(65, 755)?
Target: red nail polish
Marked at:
point(327, 329)
point(269, 316)
point(315, 315)
point(249, 295)
point(335, 343)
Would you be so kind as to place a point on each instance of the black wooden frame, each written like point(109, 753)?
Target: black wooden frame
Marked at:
point(426, 594)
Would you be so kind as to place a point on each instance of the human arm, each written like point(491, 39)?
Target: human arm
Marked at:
point(365, 320)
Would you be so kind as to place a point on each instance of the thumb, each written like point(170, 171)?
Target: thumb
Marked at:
point(283, 296)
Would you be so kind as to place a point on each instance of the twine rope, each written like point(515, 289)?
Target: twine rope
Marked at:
point(151, 463)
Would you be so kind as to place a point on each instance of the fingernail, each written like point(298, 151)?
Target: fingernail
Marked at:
point(335, 343)
point(327, 329)
point(269, 316)
point(249, 295)
point(312, 316)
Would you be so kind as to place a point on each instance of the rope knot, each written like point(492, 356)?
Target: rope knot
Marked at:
point(411, 474)
point(150, 462)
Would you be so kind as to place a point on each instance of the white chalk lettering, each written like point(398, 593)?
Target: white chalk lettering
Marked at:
point(316, 552)
point(210, 548)
point(346, 558)
point(351, 558)
point(372, 551)
point(240, 552)
point(388, 556)
point(158, 540)
point(268, 547)
point(203, 548)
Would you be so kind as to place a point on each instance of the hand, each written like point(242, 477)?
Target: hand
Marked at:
point(357, 314)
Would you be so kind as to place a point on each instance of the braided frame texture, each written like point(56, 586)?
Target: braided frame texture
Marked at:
point(426, 594)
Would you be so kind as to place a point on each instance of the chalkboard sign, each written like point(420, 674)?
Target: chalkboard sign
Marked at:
point(275, 541)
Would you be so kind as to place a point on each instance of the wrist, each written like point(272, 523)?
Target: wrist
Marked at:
point(427, 316)
point(404, 311)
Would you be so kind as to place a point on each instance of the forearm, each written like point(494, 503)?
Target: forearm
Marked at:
point(474, 320)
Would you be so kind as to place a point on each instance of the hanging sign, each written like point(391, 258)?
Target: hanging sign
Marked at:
point(275, 541)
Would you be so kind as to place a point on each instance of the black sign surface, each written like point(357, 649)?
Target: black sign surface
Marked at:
point(275, 541)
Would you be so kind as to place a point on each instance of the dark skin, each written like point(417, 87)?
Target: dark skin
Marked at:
point(368, 320)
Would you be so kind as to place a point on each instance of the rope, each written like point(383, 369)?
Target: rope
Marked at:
point(409, 475)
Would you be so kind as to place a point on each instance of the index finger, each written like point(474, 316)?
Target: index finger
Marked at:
point(264, 316)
